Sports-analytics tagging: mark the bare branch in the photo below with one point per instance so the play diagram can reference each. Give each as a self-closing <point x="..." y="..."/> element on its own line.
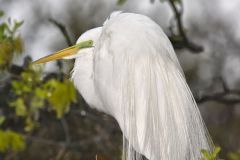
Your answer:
<point x="182" y="40"/>
<point x="63" y="29"/>
<point x="66" y="130"/>
<point x="227" y="96"/>
<point x="60" y="154"/>
<point x="222" y="97"/>
<point x="46" y="142"/>
<point x="63" y="144"/>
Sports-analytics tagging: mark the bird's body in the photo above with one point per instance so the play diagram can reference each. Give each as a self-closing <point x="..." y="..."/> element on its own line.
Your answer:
<point x="133" y="74"/>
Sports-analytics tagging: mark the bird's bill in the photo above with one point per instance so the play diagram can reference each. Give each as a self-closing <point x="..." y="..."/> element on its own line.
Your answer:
<point x="65" y="52"/>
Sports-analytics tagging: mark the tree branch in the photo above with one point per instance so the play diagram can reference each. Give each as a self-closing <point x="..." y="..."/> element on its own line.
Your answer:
<point x="63" y="29"/>
<point x="181" y="41"/>
<point x="46" y="142"/>
<point x="227" y="96"/>
<point x="63" y="144"/>
<point x="66" y="130"/>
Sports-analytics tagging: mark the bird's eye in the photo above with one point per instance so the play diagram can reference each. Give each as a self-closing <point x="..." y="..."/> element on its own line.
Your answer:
<point x="90" y="42"/>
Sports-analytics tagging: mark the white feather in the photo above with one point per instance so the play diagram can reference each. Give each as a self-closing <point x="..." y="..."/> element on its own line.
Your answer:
<point x="134" y="75"/>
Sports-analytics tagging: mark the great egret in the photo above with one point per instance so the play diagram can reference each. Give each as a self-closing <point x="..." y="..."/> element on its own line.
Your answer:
<point x="127" y="68"/>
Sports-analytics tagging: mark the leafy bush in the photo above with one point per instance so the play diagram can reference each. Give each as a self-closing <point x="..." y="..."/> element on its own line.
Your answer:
<point x="10" y="42"/>
<point x="10" y="140"/>
<point x="30" y="92"/>
<point x="210" y="156"/>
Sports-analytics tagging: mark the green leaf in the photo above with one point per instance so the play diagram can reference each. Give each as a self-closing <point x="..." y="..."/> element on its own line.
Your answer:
<point x="10" y="140"/>
<point x="210" y="156"/>
<point x="10" y="43"/>
<point x="16" y="141"/>
<point x="206" y="154"/>
<point x="61" y="96"/>
<point x="39" y="92"/>
<point x="17" y="24"/>
<point x="216" y="152"/>
<point x="1" y="13"/>
<point x="36" y="103"/>
<point x="121" y="2"/>
<point x="233" y="155"/>
<point x="2" y="120"/>
<point x="3" y="141"/>
<point x="19" y="106"/>
<point x="29" y="125"/>
<point x="18" y="45"/>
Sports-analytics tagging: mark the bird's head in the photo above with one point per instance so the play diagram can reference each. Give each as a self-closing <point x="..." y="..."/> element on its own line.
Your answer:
<point x="85" y="43"/>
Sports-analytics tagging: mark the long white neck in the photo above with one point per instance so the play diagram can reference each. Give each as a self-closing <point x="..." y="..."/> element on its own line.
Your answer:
<point x="82" y="77"/>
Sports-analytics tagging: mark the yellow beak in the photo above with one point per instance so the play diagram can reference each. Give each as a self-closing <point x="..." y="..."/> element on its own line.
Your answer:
<point x="65" y="52"/>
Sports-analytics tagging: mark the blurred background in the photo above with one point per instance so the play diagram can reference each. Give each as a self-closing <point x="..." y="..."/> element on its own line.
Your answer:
<point x="42" y="117"/>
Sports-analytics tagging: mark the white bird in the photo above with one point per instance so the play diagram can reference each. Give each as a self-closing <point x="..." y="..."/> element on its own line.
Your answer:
<point x="128" y="69"/>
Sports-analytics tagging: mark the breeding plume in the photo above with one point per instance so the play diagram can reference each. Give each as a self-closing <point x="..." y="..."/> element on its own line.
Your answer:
<point x="128" y="69"/>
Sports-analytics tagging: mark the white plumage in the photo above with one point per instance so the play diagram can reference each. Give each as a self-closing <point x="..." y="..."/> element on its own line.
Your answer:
<point x="133" y="74"/>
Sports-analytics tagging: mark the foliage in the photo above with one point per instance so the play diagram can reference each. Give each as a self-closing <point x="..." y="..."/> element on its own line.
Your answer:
<point x="60" y="95"/>
<point x="30" y="91"/>
<point x="10" y="42"/>
<point x="234" y="155"/>
<point x="210" y="156"/>
<point x="2" y="119"/>
<point x="121" y="2"/>
<point x="10" y="140"/>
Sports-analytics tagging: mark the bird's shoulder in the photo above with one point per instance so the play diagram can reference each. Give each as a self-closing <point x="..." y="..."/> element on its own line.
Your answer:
<point x="130" y="34"/>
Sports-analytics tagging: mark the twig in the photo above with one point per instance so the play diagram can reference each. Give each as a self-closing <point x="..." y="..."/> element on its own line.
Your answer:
<point x="63" y="29"/>
<point x="221" y="97"/>
<point x="47" y="142"/>
<point x="227" y="96"/>
<point x="182" y="41"/>
<point x="66" y="130"/>
<point x="10" y="156"/>
<point x="62" y="144"/>
<point x="61" y="153"/>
